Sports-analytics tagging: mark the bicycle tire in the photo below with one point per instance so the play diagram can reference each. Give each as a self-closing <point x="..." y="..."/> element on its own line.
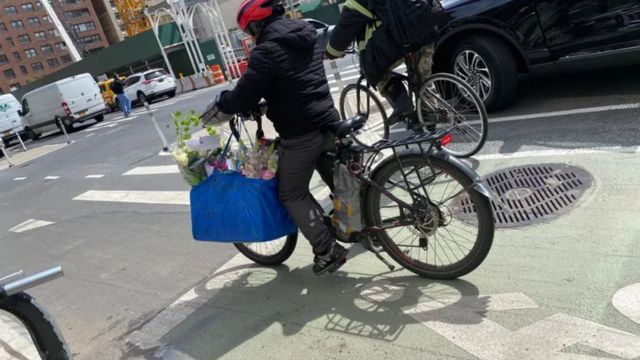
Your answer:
<point x="271" y="259"/>
<point x="458" y="131"/>
<point x="42" y="328"/>
<point x="485" y="225"/>
<point x="364" y="91"/>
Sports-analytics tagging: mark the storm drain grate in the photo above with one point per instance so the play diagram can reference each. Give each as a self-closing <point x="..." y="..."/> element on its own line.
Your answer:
<point x="534" y="193"/>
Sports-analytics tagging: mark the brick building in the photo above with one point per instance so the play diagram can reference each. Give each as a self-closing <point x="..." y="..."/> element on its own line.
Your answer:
<point x="30" y="45"/>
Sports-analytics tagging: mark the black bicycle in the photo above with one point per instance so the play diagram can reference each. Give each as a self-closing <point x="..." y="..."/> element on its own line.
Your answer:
<point x="44" y="333"/>
<point x="411" y="201"/>
<point x="442" y="101"/>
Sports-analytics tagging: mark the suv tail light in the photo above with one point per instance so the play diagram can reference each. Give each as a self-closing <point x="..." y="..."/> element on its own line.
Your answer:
<point x="147" y="82"/>
<point x="66" y="109"/>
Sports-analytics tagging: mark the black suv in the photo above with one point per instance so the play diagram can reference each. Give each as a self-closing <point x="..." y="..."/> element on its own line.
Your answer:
<point x="489" y="42"/>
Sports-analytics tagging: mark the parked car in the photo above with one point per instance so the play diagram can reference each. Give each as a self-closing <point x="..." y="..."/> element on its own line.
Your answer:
<point x="149" y="85"/>
<point x="489" y="43"/>
<point x="73" y="100"/>
<point x="10" y="122"/>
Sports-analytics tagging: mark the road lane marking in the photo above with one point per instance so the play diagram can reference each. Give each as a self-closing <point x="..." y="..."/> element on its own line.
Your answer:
<point x="566" y="112"/>
<point x="90" y="135"/>
<point x="463" y="322"/>
<point x="137" y="197"/>
<point x="153" y="170"/>
<point x="30" y="225"/>
<point x="561" y="152"/>
<point x="627" y="302"/>
<point x="164" y="153"/>
<point x="51" y="177"/>
<point x="94" y="176"/>
<point x="19" y="178"/>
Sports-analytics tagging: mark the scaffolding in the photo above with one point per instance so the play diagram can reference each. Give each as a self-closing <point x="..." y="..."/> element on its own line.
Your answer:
<point x="132" y="16"/>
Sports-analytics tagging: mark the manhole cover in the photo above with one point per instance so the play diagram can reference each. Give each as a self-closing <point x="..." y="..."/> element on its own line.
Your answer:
<point x="534" y="193"/>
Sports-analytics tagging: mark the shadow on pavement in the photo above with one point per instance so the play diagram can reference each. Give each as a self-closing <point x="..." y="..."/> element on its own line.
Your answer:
<point x="251" y="299"/>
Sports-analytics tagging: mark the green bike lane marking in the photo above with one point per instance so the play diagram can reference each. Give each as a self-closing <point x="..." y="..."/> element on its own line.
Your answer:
<point x="545" y="291"/>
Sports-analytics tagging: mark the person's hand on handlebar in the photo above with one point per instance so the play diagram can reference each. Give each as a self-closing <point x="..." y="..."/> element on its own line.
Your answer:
<point x="213" y="114"/>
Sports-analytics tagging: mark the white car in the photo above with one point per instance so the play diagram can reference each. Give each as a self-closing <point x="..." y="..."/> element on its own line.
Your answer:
<point x="149" y="85"/>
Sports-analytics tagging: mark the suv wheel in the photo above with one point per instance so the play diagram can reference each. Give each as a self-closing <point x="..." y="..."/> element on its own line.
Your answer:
<point x="488" y="65"/>
<point x="142" y="98"/>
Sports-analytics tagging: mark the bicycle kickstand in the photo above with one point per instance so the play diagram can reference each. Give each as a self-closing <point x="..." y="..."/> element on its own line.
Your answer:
<point x="379" y="256"/>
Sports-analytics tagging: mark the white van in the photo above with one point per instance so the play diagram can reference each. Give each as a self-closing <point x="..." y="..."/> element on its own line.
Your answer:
<point x="74" y="99"/>
<point x="10" y="122"/>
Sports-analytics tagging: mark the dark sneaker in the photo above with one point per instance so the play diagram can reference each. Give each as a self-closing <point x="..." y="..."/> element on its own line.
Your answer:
<point x="334" y="258"/>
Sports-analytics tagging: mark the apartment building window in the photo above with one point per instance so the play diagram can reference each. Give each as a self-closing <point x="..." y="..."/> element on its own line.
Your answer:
<point x="4" y="59"/>
<point x="53" y="63"/>
<point x="9" y="74"/>
<point x="66" y="59"/>
<point x="37" y="66"/>
<point x="76" y="13"/>
<point x="60" y="45"/>
<point x="40" y="35"/>
<point x="90" y="39"/>
<point x="24" y="39"/>
<point x="17" y="24"/>
<point x="39" y="5"/>
<point x="10" y="41"/>
<point x="23" y="69"/>
<point x="31" y="53"/>
<point x="46" y="49"/>
<point x="89" y="25"/>
<point x="34" y="21"/>
<point x="54" y="33"/>
<point x="3" y="27"/>
<point x="28" y="7"/>
<point x="72" y="2"/>
<point x="10" y="10"/>
<point x="16" y="56"/>
<point x="46" y="19"/>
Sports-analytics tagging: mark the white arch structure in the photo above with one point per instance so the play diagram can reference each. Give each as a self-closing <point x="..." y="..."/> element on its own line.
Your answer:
<point x="183" y="14"/>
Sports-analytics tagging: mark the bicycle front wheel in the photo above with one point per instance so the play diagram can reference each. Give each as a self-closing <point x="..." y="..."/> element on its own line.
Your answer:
<point x="356" y="99"/>
<point x="433" y="239"/>
<point x="269" y="253"/>
<point x="43" y="330"/>
<point x="448" y="102"/>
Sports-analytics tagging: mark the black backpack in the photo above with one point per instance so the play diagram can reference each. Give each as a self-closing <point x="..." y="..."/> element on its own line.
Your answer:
<point x="410" y="23"/>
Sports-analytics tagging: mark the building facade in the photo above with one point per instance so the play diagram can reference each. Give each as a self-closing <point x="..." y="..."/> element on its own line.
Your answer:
<point x="31" y="46"/>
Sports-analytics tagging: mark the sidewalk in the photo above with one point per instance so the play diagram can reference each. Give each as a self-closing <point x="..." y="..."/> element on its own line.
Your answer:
<point x="18" y="156"/>
<point x="15" y="342"/>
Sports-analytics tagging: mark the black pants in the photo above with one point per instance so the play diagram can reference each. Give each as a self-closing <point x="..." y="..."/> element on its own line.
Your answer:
<point x="299" y="157"/>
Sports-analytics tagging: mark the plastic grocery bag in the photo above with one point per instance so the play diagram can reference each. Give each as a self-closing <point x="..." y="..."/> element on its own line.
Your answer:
<point x="346" y="217"/>
<point x="228" y="207"/>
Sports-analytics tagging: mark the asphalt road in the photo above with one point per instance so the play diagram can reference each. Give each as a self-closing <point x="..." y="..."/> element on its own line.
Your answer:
<point x="137" y="286"/>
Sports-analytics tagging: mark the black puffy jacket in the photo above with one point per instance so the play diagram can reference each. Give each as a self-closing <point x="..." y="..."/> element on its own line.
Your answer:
<point x="286" y="69"/>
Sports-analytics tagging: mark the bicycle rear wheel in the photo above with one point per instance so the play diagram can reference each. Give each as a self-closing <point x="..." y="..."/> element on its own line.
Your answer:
<point x="269" y="253"/>
<point x="435" y="243"/>
<point x="448" y="102"/>
<point x="357" y="99"/>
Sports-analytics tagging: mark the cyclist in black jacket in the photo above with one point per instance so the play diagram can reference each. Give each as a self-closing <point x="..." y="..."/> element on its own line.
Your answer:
<point x="379" y="53"/>
<point x="286" y="68"/>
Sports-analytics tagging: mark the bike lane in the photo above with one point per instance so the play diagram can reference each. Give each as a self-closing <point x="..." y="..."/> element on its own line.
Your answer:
<point x="544" y="292"/>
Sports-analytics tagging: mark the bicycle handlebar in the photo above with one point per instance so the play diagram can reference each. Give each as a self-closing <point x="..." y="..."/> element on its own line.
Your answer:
<point x="30" y="281"/>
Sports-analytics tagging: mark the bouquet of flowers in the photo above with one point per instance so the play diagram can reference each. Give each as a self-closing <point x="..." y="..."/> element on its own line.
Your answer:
<point x="261" y="162"/>
<point x="190" y="153"/>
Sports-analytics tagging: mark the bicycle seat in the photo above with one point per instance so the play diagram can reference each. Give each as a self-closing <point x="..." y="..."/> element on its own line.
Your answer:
<point x="343" y="128"/>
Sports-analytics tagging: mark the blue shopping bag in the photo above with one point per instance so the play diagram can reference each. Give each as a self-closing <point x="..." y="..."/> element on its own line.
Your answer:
<point x="228" y="207"/>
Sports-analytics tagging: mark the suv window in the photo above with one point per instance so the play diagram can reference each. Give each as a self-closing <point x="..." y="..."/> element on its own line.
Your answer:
<point x="132" y="80"/>
<point x="155" y="74"/>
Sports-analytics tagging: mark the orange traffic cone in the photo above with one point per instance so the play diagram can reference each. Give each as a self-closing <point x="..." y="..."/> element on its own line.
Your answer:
<point x="218" y="77"/>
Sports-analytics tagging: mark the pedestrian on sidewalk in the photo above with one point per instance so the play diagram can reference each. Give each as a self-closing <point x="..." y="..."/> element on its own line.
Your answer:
<point x="117" y="86"/>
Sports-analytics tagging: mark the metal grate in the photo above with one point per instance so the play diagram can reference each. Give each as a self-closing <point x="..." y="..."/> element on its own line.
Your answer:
<point x="534" y="193"/>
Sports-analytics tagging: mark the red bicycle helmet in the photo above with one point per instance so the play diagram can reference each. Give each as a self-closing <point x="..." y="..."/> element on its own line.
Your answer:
<point x="254" y="10"/>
